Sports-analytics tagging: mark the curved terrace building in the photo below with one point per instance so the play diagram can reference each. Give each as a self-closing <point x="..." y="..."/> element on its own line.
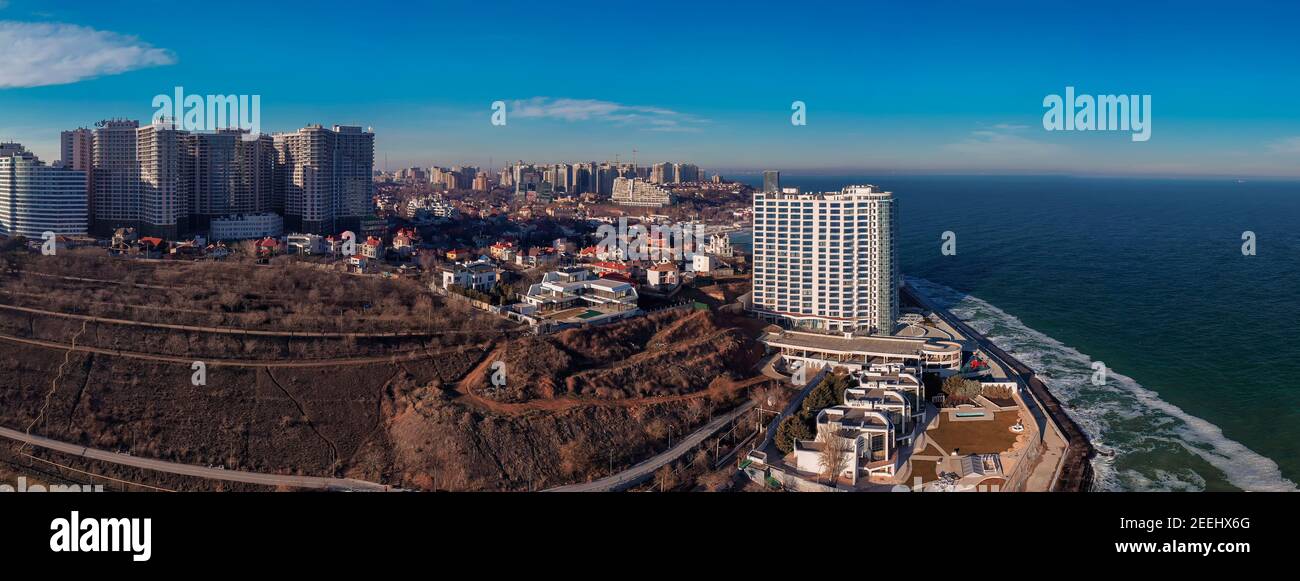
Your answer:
<point x="36" y="198"/>
<point x="827" y="262"/>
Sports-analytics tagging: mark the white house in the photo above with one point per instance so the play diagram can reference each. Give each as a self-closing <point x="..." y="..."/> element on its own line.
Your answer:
<point x="479" y="275"/>
<point x="306" y="243"/>
<point x="571" y="287"/>
<point x="663" y="276"/>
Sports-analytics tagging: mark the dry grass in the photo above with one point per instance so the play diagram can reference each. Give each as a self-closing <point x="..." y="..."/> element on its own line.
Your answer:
<point x="975" y="437"/>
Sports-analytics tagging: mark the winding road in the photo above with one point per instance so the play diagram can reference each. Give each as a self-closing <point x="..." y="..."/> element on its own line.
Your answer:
<point x="646" y="469"/>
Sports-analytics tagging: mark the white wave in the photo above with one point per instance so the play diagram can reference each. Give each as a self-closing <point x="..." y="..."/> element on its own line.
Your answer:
<point x="1067" y="372"/>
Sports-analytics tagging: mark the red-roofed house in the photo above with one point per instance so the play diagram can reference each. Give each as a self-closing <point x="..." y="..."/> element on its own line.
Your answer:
<point x="373" y="248"/>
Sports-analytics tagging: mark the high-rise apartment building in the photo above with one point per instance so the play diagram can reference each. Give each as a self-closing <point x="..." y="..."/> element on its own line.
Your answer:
<point x="324" y="177"/>
<point x="771" y="181"/>
<point x="827" y="262"/>
<point x="685" y="173"/>
<point x="229" y="174"/>
<point x="115" y="177"/>
<point x="661" y="173"/>
<point x="165" y="180"/>
<point x="36" y="198"/>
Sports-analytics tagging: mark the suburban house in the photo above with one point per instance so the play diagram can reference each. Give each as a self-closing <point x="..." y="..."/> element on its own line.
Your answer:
<point x="479" y="275"/>
<point x="458" y="254"/>
<point x="358" y="262"/>
<point x="504" y="251"/>
<point x="709" y="265"/>
<point x="404" y="242"/>
<point x="306" y="244"/>
<point x="373" y="248"/>
<point x="578" y="287"/>
<point x="537" y="256"/>
<point x="663" y="276"/>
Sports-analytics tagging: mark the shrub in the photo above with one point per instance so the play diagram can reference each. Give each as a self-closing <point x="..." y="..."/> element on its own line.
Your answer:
<point x="960" y="389"/>
<point x="792" y="428"/>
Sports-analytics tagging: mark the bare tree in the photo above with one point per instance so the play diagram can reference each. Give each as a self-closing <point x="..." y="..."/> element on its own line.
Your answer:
<point x="834" y="454"/>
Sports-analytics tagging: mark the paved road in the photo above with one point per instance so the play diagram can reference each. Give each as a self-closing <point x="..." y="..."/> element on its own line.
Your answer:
<point x="646" y="469"/>
<point x="314" y="482"/>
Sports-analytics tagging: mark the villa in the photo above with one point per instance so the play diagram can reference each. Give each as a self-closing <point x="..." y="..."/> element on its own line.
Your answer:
<point x="574" y="296"/>
<point x="479" y="275"/>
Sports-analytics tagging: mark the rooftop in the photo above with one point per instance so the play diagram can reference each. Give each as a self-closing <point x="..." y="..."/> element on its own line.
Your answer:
<point x="873" y="345"/>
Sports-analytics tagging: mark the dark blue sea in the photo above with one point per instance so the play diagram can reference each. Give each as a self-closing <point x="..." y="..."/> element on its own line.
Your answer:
<point x="1145" y="275"/>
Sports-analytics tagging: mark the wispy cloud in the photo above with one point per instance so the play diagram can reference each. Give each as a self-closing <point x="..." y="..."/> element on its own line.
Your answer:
<point x="1287" y="146"/>
<point x="38" y="54"/>
<point x="1003" y="142"/>
<point x="576" y="110"/>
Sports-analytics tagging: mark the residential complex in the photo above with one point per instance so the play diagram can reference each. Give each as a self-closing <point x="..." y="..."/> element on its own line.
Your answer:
<point x="36" y="198"/>
<point x="638" y="192"/>
<point x="168" y="182"/>
<point x="325" y="177"/>
<point x="827" y="261"/>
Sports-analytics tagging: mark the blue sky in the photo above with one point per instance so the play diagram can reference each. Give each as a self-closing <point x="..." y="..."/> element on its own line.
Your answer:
<point x="890" y="87"/>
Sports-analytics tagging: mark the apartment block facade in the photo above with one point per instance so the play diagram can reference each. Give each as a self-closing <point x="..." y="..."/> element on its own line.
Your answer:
<point x="36" y="198"/>
<point x="324" y="177"/>
<point x="827" y="262"/>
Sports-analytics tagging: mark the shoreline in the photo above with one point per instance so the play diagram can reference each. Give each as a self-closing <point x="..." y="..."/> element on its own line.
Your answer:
<point x="1075" y="471"/>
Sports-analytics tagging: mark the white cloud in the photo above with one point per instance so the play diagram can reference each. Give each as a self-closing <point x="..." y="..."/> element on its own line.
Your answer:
<point x="648" y="118"/>
<point x="38" y="54"/>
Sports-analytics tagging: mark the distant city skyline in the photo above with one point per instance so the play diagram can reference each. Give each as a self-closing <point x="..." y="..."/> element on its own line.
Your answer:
<point x="889" y="88"/>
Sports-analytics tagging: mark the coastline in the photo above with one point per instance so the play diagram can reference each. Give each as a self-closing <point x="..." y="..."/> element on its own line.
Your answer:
<point x="1074" y="474"/>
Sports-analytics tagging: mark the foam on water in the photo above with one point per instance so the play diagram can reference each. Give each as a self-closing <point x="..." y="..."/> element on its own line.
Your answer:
<point x="1121" y="414"/>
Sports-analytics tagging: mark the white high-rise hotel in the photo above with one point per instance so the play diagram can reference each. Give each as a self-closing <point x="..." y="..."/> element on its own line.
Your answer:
<point x="827" y="262"/>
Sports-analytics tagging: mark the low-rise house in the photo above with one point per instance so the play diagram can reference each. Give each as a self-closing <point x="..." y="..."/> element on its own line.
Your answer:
<point x="124" y="238"/>
<point x="663" y="276"/>
<point x="267" y="247"/>
<point x="709" y="265"/>
<point x="334" y="245"/>
<point x="458" y="254"/>
<point x="479" y="275"/>
<point x="504" y="251"/>
<point x="149" y="247"/>
<point x="537" y="256"/>
<point x="305" y="244"/>
<point x="217" y="251"/>
<point x="373" y="248"/>
<point x="573" y="287"/>
<point x="404" y="242"/>
<point x="359" y="262"/>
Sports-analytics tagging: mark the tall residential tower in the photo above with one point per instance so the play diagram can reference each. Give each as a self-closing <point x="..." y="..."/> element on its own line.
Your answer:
<point x="827" y="262"/>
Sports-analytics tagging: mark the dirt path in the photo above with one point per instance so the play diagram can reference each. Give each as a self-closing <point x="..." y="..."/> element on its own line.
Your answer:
<point x="250" y="332"/>
<point x="409" y="356"/>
